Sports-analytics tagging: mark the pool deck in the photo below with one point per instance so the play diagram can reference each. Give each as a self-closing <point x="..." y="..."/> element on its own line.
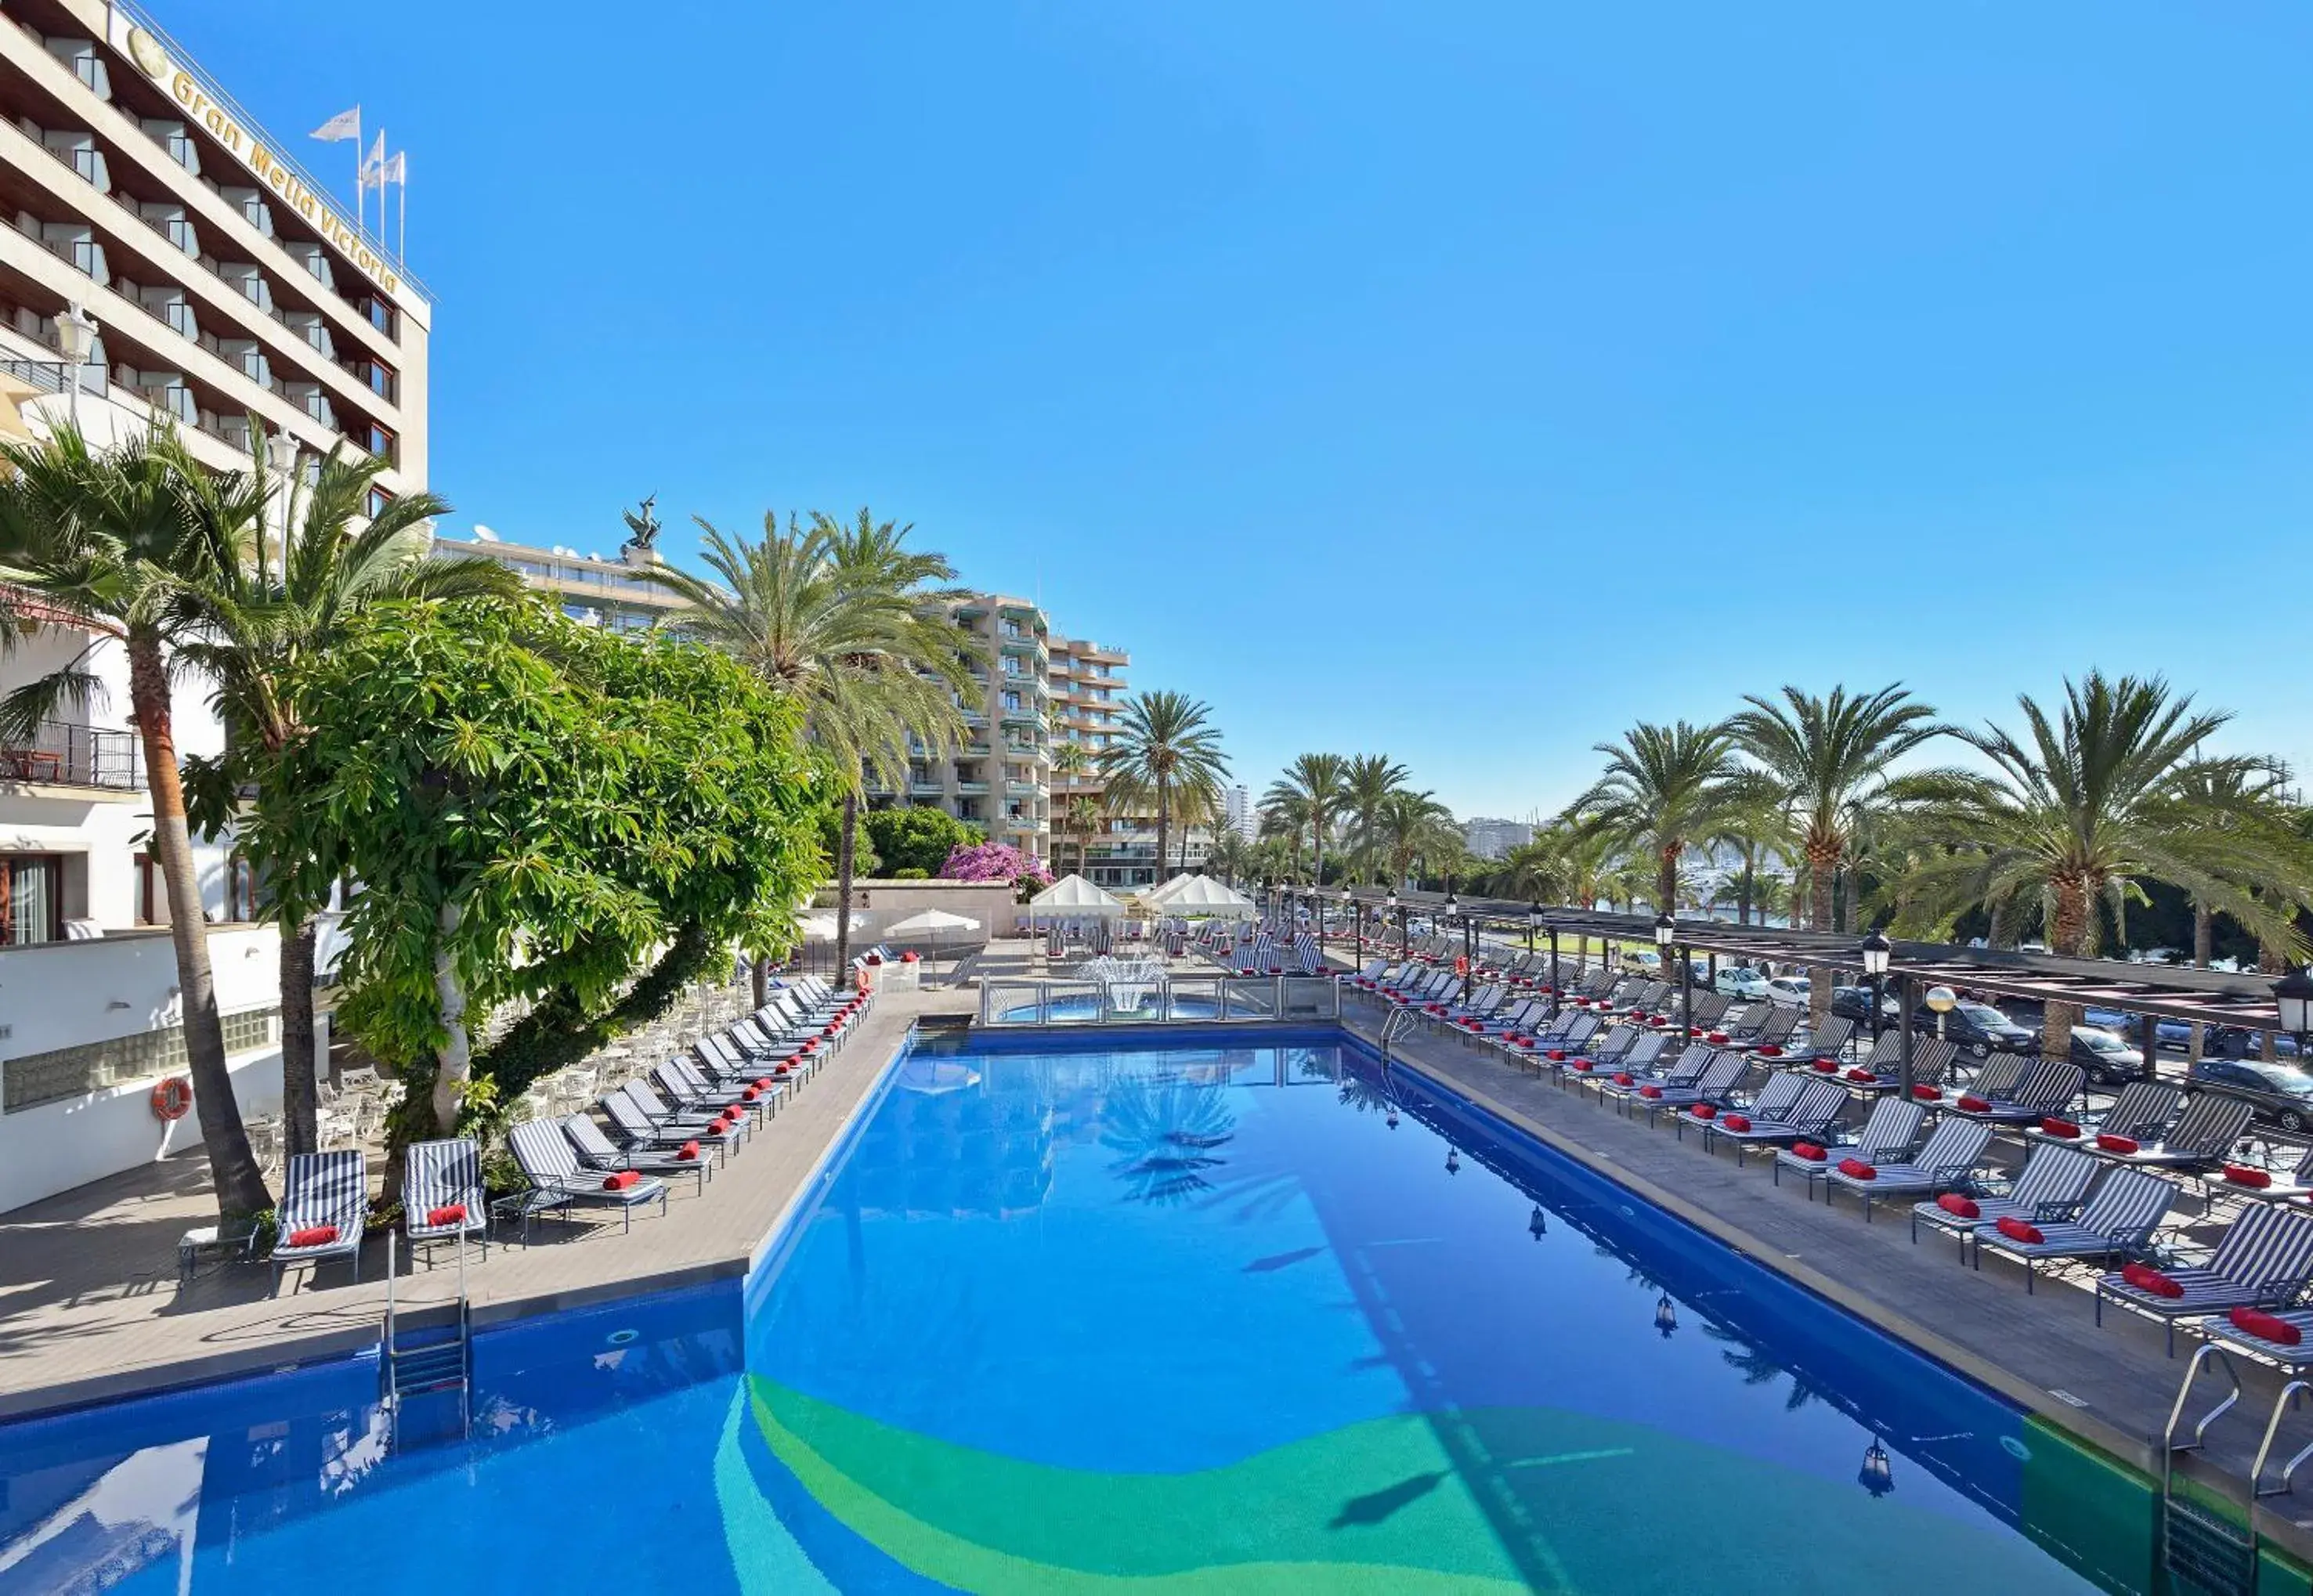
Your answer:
<point x="2110" y="1386"/>
<point x="91" y="1310"/>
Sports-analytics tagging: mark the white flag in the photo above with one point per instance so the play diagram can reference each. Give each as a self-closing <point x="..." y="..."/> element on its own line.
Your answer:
<point x="373" y="171"/>
<point x="345" y="125"/>
<point x="397" y="169"/>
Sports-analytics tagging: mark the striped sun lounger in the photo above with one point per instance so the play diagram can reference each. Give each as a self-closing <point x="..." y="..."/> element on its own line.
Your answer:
<point x="442" y="1195"/>
<point x="2240" y="1180"/>
<point x="2202" y="1138"/>
<point x="1810" y="1114"/>
<point x="1647" y="1070"/>
<point x="2118" y="1223"/>
<point x="1948" y="1159"/>
<point x="595" y="1152"/>
<point x="1887" y="1134"/>
<point x="1704" y="1095"/>
<point x="2262" y="1262"/>
<point x="2141" y="1113"/>
<point x="324" y="1191"/>
<point x="2048" y="1087"/>
<point x="2053" y="1185"/>
<point x="548" y="1160"/>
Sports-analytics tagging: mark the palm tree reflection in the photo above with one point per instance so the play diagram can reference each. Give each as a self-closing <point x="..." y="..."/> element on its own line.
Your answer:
<point x="1167" y="1131"/>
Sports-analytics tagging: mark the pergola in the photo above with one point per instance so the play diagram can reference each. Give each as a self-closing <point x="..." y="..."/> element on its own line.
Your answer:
<point x="2251" y="1002"/>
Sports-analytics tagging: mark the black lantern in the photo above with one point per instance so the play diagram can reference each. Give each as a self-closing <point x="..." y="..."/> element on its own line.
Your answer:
<point x="1390" y="1118"/>
<point x="1876" y="950"/>
<point x="1666" y="1316"/>
<point x="1453" y="1158"/>
<point x="1535" y="1225"/>
<point x="1533" y="915"/>
<point x="1875" y="1476"/>
<point x="2292" y="994"/>
<point x="1666" y="930"/>
<point x="1452" y="903"/>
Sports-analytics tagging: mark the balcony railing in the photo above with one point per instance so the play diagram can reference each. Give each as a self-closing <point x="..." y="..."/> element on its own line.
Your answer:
<point x="63" y="755"/>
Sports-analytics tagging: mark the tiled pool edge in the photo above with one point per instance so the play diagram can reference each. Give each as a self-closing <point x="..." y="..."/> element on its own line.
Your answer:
<point x="2139" y="1454"/>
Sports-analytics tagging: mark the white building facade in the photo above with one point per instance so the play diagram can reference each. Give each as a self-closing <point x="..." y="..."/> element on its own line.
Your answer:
<point x="166" y="261"/>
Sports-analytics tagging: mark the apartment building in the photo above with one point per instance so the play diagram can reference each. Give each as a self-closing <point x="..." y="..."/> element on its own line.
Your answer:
<point x="163" y="260"/>
<point x="605" y="592"/>
<point x="1491" y="838"/>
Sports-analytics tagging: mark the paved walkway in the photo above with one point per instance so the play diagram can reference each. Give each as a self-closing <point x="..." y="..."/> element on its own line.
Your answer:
<point x="91" y="1310"/>
<point x="2112" y="1385"/>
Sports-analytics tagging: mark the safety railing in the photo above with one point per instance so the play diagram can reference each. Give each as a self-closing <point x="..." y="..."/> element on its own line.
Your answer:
<point x="1189" y="1000"/>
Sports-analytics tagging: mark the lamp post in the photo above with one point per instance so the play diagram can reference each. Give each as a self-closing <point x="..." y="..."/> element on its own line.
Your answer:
<point x="1405" y="934"/>
<point x="1536" y="1225"/>
<point x="281" y="461"/>
<point x="76" y="332"/>
<point x="1875" y="1476"/>
<point x="1453" y="1158"/>
<point x="2292" y="994"/>
<point x="1666" y="1316"/>
<point x="1357" y="925"/>
<point x="1942" y="1000"/>
<point x="1876" y="951"/>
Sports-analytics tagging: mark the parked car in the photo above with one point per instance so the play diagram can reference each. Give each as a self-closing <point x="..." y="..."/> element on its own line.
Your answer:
<point x="2230" y="1041"/>
<point x="2281" y="1092"/>
<point x="1977" y="1028"/>
<point x="2109" y="1058"/>
<point x="1643" y="960"/>
<point x="2234" y="1041"/>
<point x="1743" y="981"/>
<point x="1854" y="1002"/>
<point x="1790" y="991"/>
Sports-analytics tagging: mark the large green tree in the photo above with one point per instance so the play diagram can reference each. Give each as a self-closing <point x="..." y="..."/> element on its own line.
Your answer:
<point x="2108" y="789"/>
<point x="1366" y="782"/>
<point x="847" y="621"/>
<point x="113" y="540"/>
<point x="536" y="809"/>
<point x="1167" y="743"/>
<point x="282" y="599"/>
<point x="1320" y="782"/>
<point x="918" y="837"/>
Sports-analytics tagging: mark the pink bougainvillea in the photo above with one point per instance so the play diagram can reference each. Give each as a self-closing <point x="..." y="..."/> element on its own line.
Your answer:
<point x="994" y="862"/>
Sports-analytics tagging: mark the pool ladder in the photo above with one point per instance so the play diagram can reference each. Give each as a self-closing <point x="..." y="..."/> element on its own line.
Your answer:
<point x="417" y="1368"/>
<point x="2199" y="1543"/>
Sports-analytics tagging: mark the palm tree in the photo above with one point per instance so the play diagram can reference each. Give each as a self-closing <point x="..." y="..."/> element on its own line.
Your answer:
<point x="1536" y="870"/>
<point x="1665" y="787"/>
<point x="1233" y="857"/>
<point x="1195" y="804"/>
<point x="1168" y="742"/>
<point x="265" y="617"/>
<point x="1321" y="781"/>
<point x="113" y="538"/>
<point x="2235" y="794"/>
<point x="1414" y="826"/>
<point x="2107" y="790"/>
<point x="1285" y="815"/>
<point x="1366" y="782"/>
<point x="849" y="622"/>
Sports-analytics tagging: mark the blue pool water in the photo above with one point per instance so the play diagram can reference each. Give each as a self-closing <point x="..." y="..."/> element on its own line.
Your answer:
<point x="1200" y="1320"/>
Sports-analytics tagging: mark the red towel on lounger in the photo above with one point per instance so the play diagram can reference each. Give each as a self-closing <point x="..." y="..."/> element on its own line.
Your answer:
<point x="1926" y="1094"/>
<point x="2118" y="1144"/>
<point x="2241" y="1174"/>
<point x="1855" y="1169"/>
<point x="1808" y="1151"/>
<point x="689" y="1149"/>
<point x="1705" y="1111"/>
<point x="1827" y="1066"/>
<point x="1736" y="1122"/>
<point x="1860" y="1073"/>
<point x="620" y="1181"/>
<point x="2259" y="1323"/>
<point x="2016" y="1230"/>
<point x="1650" y="1092"/>
<point x="2151" y="1281"/>
<point x="2059" y="1128"/>
<point x="313" y="1235"/>
<point x="448" y="1213"/>
<point x="1974" y="1105"/>
<point x="1958" y="1206"/>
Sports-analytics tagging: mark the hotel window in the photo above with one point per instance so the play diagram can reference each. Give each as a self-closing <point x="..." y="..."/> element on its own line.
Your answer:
<point x="31" y="899"/>
<point x="382" y="379"/>
<point x="379" y="498"/>
<point x="380" y="314"/>
<point x="378" y="440"/>
<point x="1011" y="700"/>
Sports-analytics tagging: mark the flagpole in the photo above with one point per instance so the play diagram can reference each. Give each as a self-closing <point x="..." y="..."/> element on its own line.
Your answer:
<point x="401" y="244"/>
<point x="361" y="194"/>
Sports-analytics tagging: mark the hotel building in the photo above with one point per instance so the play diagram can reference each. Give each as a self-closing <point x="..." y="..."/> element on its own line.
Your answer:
<point x="164" y="258"/>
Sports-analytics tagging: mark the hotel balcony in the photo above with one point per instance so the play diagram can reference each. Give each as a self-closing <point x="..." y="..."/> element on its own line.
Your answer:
<point x="87" y="757"/>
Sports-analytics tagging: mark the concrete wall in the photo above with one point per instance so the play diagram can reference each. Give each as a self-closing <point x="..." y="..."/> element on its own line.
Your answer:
<point x="61" y="994"/>
<point x="876" y="904"/>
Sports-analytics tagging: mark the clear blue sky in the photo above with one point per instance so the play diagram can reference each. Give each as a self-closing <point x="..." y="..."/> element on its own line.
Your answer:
<point x="1463" y="383"/>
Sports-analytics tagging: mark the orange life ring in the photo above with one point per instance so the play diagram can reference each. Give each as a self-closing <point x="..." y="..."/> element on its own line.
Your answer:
<point x="173" y="1098"/>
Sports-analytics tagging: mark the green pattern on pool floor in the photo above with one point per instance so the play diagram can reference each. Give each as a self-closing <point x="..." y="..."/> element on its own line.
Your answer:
<point x="1474" y="1503"/>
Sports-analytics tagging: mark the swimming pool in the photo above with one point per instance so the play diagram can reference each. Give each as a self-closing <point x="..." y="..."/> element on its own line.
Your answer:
<point x="1095" y="1314"/>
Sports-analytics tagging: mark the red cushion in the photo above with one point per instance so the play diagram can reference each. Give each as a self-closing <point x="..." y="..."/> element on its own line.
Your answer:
<point x="1827" y="1066"/>
<point x="2016" y="1230"/>
<point x="620" y="1181"/>
<point x="2059" y="1128"/>
<point x="1557" y="1056"/>
<point x="1809" y="1151"/>
<point x="1650" y="1092"/>
<point x="313" y="1235"/>
<point x="1926" y="1094"/>
<point x="763" y="1082"/>
<point x="1855" y="1169"/>
<point x="1705" y="1111"/>
<point x="2258" y="1322"/>
<point x="1974" y="1105"/>
<point x="688" y="1150"/>
<point x="447" y="1214"/>
<point x="783" y="1069"/>
<point x="1958" y="1206"/>
<point x="2241" y="1174"/>
<point x="751" y="1094"/>
<point x="2151" y="1281"/>
<point x="1771" y="1051"/>
<point x="1716" y="1036"/>
<point x="1736" y="1122"/>
<point x="1622" y="1079"/>
<point x="1860" y="1073"/>
<point x="2118" y="1144"/>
